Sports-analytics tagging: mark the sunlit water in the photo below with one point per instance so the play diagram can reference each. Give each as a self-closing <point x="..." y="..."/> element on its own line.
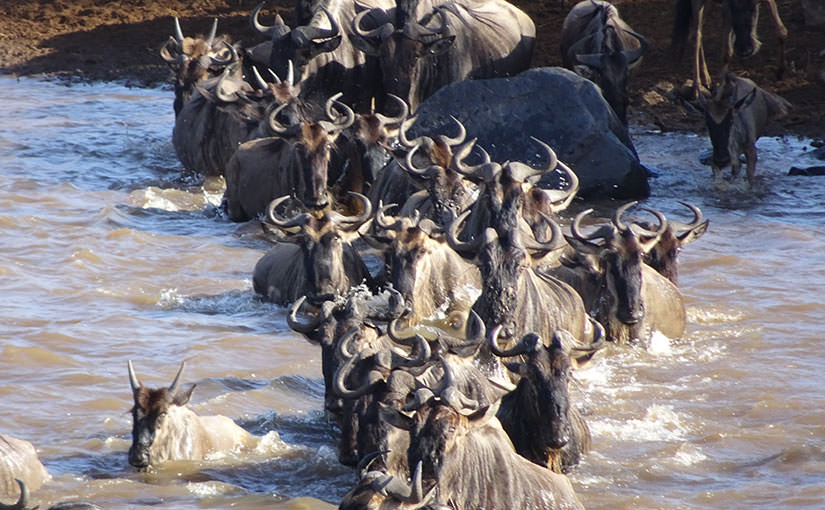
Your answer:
<point x="108" y="254"/>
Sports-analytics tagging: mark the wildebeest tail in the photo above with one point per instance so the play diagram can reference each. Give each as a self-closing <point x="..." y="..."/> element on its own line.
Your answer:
<point x="682" y="14"/>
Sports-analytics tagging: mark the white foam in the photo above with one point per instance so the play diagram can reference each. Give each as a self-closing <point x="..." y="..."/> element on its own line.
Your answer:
<point x="660" y="423"/>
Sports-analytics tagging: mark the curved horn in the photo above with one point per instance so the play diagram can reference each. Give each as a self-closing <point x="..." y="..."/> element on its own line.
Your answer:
<point x="402" y="134"/>
<point x="469" y="249"/>
<point x="430" y="171"/>
<point x="173" y="388"/>
<point x="617" y="216"/>
<point x="390" y="121"/>
<point x="552" y="159"/>
<point x="343" y="372"/>
<point x="381" y="219"/>
<point x="697" y="218"/>
<point x="423" y="356"/>
<point x="302" y="327"/>
<point x="398" y="489"/>
<point x="22" y="501"/>
<point x="353" y="222"/>
<point x="233" y="56"/>
<point x="631" y="56"/>
<point x="452" y="395"/>
<point x="219" y="90"/>
<point x="394" y="332"/>
<point x="484" y="172"/>
<point x="562" y="199"/>
<point x="133" y="378"/>
<point x="598" y="341"/>
<point x="339" y="122"/>
<point x="178" y="31"/>
<point x="663" y="223"/>
<point x="459" y="138"/>
<point x="555" y="242"/>
<point x="298" y="220"/>
<point x="278" y="128"/>
<point x="304" y="35"/>
<point x="262" y="84"/>
<point x="382" y="31"/>
<point x="212" y="31"/>
<point x="522" y="347"/>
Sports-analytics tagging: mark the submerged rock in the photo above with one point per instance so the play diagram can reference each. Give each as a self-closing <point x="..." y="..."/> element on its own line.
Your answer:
<point x="554" y="105"/>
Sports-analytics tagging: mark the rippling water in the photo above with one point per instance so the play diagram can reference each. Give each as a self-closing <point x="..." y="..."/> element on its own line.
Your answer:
<point x="108" y="254"/>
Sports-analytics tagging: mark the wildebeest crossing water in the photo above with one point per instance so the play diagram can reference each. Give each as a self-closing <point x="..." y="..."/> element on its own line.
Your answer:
<point x="108" y="254"/>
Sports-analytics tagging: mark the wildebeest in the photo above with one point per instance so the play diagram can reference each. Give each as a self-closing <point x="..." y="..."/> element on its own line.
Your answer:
<point x="537" y="414"/>
<point x="619" y="290"/>
<point x="435" y="43"/>
<point x="193" y="60"/>
<point x="216" y="119"/>
<point x="164" y="428"/>
<point x="739" y="19"/>
<point x="461" y="458"/>
<point x="20" y="469"/>
<point x="430" y="276"/>
<point x="320" y="46"/>
<point x="420" y="177"/>
<point x="736" y="115"/>
<point x="318" y="261"/>
<point x="293" y="161"/>
<point x="593" y="35"/>
<point x="514" y="294"/>
<point x="663" y="257"/>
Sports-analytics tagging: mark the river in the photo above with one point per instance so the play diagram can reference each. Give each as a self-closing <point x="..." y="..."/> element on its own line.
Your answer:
<point x="109" y="254"/>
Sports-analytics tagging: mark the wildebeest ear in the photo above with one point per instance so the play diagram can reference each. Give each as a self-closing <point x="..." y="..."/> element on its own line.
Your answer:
<point x="371" y="48"/>
<point x="694" y="233"/>
<point x="394" y="417"/>
<point x="745" y="101"/>
<point x="182" y="396"/>
<point x="439" y="46"/>
<point x="484" y="414"/>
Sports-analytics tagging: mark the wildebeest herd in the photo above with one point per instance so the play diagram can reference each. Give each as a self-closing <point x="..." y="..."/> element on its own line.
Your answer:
<point x="447" y="366"/>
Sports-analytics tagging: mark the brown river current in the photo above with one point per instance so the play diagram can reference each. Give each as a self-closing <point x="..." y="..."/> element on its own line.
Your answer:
<point x="108" y="254"/>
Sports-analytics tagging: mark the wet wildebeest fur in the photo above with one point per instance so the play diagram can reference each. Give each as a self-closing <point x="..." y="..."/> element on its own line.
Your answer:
<point x="736" y="115"/>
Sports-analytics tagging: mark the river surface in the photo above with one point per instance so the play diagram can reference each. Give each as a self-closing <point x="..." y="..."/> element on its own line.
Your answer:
<point x="108" y="254"/>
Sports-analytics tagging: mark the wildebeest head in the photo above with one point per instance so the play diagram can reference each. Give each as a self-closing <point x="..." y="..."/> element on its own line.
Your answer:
<point x="308" y="144"/>
<point x="542" y="392"/>
<point x="404" y="46"/>
<point x="406" y="244"/>
<point x="195" y="59"/>
<point x="322" y="245"/>
<point x="720" y="109"/>
<point x="617" y="261"/>
<point x="611" y="67"/>
<point x="743" y="16"/>
<point x="664" y="257"/>
<point x="298" y="45"/>
<point x="149" y="414"/>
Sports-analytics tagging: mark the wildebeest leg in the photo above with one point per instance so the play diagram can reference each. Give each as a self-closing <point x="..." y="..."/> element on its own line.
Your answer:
<point x="701" y="77"/>
<point x="750" y="161"/>
<point x="783" y="34"/>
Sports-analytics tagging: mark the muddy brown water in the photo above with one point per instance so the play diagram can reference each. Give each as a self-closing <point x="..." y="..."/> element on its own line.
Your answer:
<point x="107" y="255"/>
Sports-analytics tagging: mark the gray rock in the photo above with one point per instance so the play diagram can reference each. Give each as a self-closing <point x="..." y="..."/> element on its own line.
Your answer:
<point x="554" y="105"/>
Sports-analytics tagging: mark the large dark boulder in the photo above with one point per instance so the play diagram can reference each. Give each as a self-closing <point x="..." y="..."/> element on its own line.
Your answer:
<point x="554" y="105"/>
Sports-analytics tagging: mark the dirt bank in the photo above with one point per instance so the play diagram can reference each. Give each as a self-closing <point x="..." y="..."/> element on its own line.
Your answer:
<point x="119" y="40"/>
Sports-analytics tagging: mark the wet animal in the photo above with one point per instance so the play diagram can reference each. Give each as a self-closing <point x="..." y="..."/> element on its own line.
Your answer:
<point x="164" y="428"/>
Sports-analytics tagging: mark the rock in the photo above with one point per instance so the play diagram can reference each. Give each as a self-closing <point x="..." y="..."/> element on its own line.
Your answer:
<point x="554" y="105"/>
<point x="814" y="12"/>
<point x="807" y="171"/>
